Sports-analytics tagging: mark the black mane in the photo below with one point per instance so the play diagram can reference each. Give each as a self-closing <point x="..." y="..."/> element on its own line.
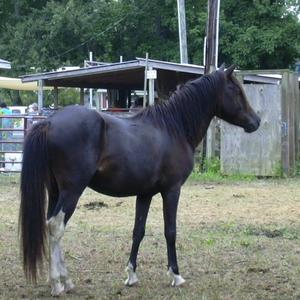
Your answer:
<point x="187" y="107"/>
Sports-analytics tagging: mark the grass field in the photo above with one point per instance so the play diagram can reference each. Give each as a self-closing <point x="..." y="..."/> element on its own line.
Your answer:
<point x="236" y="240"/>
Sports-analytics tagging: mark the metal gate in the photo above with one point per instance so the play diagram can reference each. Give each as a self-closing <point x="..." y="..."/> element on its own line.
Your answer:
<point x="13" y="129"/>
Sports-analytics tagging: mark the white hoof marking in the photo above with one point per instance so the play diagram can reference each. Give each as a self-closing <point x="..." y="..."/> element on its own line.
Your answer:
<point x="132" y="278"/>
<point x="57" y="289"/>
<point x="69" y="286"/>
<point x="177" y="279"/>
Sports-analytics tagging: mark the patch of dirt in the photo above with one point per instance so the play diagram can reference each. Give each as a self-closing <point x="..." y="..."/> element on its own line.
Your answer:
<point x="95" y="205"/>
<point x="258" y="270"/>
<point x="237" y="240"/>
<point x="267" y="232"/>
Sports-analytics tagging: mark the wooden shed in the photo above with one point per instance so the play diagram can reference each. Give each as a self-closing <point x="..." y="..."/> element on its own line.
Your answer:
<point x="274" y="148"/>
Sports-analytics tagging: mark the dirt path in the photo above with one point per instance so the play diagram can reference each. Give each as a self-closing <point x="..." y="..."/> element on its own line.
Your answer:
<point x="235" y="241"/>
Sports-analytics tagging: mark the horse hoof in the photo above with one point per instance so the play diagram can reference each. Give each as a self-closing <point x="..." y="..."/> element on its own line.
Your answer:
<point x="57" y="289"/>
<point x="132" y="278"/>
<point x="177" y="279"/>
<point x="69" y="286"/>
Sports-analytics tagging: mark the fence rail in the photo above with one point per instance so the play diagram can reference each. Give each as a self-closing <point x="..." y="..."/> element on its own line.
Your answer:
<point x="13" y="129"/>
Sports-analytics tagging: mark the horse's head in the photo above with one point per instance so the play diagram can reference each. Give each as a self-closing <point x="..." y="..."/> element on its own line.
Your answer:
<point x="233" y="106"/>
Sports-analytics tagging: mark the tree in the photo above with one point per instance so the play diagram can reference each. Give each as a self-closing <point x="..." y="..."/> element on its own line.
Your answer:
<point x="262" y="35"/>
<point x="42" y="35"/>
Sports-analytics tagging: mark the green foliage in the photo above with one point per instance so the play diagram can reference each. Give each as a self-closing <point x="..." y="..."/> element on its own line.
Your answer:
<point x="213" y="173"/>
<point x="262" y="35"/>
<point x="279" y="170"/>
<point x="42" y="35"/>
<point x="212" y="165"/>
<point x="298" y="167"/>
<point x="68" y="96"/>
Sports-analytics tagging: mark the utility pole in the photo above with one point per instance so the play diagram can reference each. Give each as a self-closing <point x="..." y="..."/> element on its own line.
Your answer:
<point x="212" y="36"/>
<point x="211" y="63"/>
<point x="182" y="31"/>
<point x="91" y="90"/>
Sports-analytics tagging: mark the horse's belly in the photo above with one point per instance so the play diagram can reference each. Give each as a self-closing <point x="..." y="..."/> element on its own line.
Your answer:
<point x="122" y="186"/>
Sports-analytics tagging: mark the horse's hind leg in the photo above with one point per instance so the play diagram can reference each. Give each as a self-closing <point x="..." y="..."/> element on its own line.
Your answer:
<point x="56" y="231"/>
<point x="141" y="213"/>
<point x="64" y="208"/>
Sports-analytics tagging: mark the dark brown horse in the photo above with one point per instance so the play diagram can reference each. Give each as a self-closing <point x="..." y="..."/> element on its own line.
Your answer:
<point x="149" y="153"/>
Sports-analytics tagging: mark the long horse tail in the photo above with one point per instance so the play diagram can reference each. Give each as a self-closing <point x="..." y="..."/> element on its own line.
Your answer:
<point x="32" y="219"/>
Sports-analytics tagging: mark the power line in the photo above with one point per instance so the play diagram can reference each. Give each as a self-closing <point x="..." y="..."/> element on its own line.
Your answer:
<point x="90" y="39"/>
<point x="98" y="34"/>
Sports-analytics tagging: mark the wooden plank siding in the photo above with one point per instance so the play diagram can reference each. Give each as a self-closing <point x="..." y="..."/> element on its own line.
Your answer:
<point x="275" y="147"/>
<point x="290" y="103"/>
<point x="258" y="153"/>
<point x="297" y="117"/>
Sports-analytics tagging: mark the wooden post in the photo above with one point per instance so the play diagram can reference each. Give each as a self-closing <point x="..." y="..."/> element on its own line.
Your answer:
<point x="40" y="95"/>
<point x="91" y="90"/>
<point x="101" y="100"/>
<point x="55" y="91"/>
<point x="211" y="59"/>
<point x="288" y="125"/>
<point x="151" y="89"/>
<point x="212" y="31"/>
<point x="292" y="118"/>
<point x="145" y="80"/>
<point x="81" y="96"/>
<point x="297" y="116"/>
<point x="182" y="31"/>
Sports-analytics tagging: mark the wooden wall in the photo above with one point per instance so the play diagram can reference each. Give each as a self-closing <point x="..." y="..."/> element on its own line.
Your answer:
<point x="258" y="153"/>
<point x="275" y="147"/>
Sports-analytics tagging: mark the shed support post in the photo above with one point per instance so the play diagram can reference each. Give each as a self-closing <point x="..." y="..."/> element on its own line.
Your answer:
<point x="40" y="95"/>
<point x="145" y="80"/>
<point x="211" y="139"/>
<point x="55" y="97"/>
<point x="151" y="90"/>
<point x="81" y="96"/>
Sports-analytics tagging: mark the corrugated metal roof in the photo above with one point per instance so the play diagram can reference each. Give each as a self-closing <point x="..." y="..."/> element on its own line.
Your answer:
<point x="130" y="74"/>
<point x="122" y="74"/>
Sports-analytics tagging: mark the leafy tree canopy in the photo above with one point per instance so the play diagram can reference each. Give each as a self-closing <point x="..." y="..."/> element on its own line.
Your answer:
<point x="41" y="35"/>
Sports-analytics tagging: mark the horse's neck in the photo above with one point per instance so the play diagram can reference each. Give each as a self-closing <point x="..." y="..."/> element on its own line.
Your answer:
<point x="203" y="124"/>
<point x="197" y="115"/>
<point x="202" y="129"/>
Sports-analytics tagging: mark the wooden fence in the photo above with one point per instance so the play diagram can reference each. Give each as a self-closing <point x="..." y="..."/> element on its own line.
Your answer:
<point x="274" y="148"/>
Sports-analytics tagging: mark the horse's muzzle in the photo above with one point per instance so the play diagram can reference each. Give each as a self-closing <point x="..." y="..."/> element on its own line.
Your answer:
<point x="252" y="126"/>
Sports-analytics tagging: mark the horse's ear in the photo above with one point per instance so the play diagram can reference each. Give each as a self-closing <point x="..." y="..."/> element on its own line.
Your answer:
<point x="222" y="67"/>
<point x="230" y="70"/>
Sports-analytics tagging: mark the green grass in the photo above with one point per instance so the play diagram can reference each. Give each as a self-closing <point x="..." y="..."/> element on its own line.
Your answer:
<point x="212" y="173"/>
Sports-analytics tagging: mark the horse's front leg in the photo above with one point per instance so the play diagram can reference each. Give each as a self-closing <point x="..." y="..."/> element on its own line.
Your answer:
<point x="141" y="213"/>
<point x="170" y="204"/>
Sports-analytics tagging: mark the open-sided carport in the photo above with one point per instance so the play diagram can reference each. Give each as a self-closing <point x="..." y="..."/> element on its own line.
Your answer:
<point x="129" y="75"/>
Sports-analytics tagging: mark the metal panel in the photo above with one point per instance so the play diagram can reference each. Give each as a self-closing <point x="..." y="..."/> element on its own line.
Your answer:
<point x="258" y="153"/>
<point x="114" y="67"/>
